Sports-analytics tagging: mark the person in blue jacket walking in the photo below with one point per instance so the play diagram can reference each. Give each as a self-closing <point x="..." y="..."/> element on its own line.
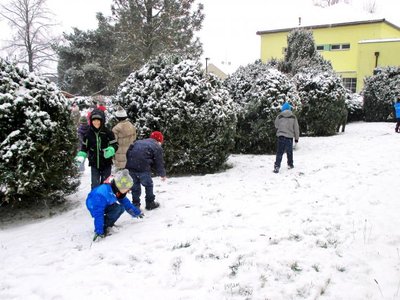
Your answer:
<point x="397" y="109"/>
<point x="108" y="201"/>
<point x="141" y="156"/>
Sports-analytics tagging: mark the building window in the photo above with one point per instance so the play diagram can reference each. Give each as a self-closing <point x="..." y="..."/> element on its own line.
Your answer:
<point x="284" y="50"/>
<point x="350" y="84"/>
<point x="323" y="47"/>
<point x="345" y="46"/>
<point x="340" y="47"/>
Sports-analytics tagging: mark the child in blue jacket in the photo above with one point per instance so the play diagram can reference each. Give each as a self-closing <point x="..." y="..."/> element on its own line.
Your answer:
<point x="108" y="201"/>
<point x="397" y="110"/>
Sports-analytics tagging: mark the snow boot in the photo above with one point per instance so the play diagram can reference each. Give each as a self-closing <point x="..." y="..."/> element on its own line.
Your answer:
<point x="152" y="205"/>
<point x="276" y="169"/>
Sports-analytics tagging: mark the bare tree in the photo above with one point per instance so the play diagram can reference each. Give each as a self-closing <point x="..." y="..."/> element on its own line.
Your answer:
<point x="326" y="3"/>
<point x="31" y="42"/>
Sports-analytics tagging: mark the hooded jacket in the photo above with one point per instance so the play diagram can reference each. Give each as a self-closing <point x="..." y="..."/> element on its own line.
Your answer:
<point x="287" y="125"/>
<point x="96" y="141"/>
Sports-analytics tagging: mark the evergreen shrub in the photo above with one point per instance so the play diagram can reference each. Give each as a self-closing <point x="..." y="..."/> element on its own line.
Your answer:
<point x="37" y="140"/>
<point x="380" y="92"/>
<point x="193" y="111"/>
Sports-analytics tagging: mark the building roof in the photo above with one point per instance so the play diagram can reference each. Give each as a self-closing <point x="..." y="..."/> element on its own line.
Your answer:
<point x="216" y="71"/>
<point x="378" y="41"/>
<point x="330" y="26"/>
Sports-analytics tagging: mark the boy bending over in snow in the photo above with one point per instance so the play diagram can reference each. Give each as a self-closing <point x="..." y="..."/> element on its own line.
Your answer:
<point x="108" y="201"/>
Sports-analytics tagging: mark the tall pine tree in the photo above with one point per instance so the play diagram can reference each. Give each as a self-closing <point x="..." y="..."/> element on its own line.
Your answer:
<point x="87" y="63"/>
<point x="147" y="28"/>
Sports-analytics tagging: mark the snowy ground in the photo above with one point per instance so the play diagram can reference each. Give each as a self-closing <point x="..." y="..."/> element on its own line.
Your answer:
<point x="328" y="229"/>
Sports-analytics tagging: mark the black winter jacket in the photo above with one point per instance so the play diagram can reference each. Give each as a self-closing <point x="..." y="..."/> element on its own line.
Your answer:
<point x="96" y="141"/>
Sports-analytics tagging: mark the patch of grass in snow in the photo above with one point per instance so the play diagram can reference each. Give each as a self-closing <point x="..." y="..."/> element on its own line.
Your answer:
<point x="323" y="288"/>
<point x="315" y="267"/>
<point x="263" y="279"/>
<point x="208" y="256"/>
<point x="236" y="289"/>
<point x="235" y="267"/>
<point x="295" y="237"/>
<point x="181" y="245"/>
<point x="295" y="267"/>
<point x="176" y="265"/>
<point x="341" y="268"/>
<point x="321" y="244"/>
<point x="274" y="241"/>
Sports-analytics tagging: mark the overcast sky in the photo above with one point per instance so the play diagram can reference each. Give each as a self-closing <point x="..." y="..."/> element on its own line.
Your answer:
<point x="229" y="29"/>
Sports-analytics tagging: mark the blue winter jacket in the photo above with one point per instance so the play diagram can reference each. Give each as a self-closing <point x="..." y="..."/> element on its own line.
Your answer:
<point x="145" y="154"/>
<point x="397" y="108"/>
<point x="101" y="197"/>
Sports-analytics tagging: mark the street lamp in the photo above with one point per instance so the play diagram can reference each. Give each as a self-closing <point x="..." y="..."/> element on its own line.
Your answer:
<point x="207" y="58"/>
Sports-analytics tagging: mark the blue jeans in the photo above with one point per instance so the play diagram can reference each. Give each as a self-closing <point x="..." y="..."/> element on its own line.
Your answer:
<point x="142" y="178"/>
<point x="284" y="144"/>
<point x="112" y="213"/>
<point x="98" y="176"/>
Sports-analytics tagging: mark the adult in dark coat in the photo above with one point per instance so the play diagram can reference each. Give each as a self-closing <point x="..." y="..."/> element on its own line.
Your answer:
<point x="99" y="145"/>
<point x="142" y="156"/>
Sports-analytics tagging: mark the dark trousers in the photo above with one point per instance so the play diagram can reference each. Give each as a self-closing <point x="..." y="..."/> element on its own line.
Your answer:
<point x="284" y="144"/>
<point x="142" y="178"/>
<point x="98" y="176"/>
<point x="397" y="124"/>
<point x="112" y="213"/>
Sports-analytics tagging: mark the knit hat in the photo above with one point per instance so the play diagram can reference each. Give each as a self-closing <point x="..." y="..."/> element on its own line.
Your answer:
<point x="83" y="120"/>
<point x="158" y="136"/>
<point x="286" y="106"/>
<point x="121" y="113"/>
<point x="95" y="116"/>
<point x="123" y="180"/>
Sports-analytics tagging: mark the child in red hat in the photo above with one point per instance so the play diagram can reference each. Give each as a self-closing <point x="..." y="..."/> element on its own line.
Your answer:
<point x="142" y="155"/>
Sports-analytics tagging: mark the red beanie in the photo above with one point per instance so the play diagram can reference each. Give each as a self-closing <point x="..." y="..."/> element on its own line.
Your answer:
<point x="158" y="136"/>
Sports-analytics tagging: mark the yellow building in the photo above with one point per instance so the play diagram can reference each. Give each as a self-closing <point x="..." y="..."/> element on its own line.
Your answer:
<point x="354" y="48"/>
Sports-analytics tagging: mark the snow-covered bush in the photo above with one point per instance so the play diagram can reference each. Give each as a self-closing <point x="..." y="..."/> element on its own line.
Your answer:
<point x="380" y="92"/>
<point x="37" y="139"/>
<point x="259" y="91"/>
<point x="323" y="101"/>
<point x="355" y="107"/>
<point x="240" y="82"/>
<point x="194" y="112"/>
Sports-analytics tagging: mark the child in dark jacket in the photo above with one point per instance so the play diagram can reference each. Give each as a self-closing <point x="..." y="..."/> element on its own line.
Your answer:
<point x="82" y="130"/>
<point x="141" y="156"/>
<point x="99" y="145"/>
<point x="107" y="202"/>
